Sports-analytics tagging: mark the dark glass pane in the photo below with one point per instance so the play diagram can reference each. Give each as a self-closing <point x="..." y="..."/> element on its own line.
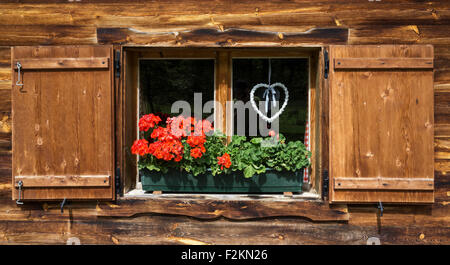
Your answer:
<point x="162" y="82"/>
<point x="293" y="73"/>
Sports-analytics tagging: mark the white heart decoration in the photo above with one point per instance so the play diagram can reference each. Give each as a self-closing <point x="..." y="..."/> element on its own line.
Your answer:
<point x="252" y="100"/>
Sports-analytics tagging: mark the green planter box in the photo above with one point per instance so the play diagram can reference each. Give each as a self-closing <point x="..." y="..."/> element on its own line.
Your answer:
<point x="176" y="181"/>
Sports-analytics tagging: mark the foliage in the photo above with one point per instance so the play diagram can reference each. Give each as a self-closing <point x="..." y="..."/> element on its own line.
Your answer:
<point x="184" y="144"/>
<point x="255" y="156"/>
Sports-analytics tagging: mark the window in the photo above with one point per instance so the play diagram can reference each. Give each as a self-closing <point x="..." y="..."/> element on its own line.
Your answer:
<point x="156" y="78"/>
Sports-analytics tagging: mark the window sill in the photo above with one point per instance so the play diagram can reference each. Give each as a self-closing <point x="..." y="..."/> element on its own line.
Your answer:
<point x="231" y="206"/>
<point x="139" y="193"/>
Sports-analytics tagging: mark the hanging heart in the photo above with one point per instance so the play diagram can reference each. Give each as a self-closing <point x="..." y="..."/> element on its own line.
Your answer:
<point x="269" y="87"/>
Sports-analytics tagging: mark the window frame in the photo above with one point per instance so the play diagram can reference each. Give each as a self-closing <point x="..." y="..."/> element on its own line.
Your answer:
<point x="223" y="92"/>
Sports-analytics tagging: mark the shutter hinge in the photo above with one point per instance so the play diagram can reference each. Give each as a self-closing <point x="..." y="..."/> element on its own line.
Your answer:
<point x="117" y="182"/>
<point x="326" y="64"/>
<point x="325" y="183"/>
<point x="117" y="63"/>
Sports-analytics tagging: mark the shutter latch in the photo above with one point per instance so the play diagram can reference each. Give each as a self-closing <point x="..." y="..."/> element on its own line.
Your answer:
<point x="64" y="202"/>
<point x="18" y="201"/>
<point x="380" y="206"/>
<point x="19" y="81"/>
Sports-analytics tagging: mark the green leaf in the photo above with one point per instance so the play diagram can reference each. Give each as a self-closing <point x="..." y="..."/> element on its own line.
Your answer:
<point x="249" y="171"/>
<point x="152" y="167"/>
<point x="256" y="140"/>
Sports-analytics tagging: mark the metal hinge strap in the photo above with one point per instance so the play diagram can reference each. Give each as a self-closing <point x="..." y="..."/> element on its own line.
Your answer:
<point x="326" y="64"/>
<point x="117" y="182"/>
<point x="117" y="63"/>
<point x="325" y="183"/>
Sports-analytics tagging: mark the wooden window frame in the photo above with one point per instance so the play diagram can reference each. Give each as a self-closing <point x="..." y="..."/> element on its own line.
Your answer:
<point x="223" y="93"/>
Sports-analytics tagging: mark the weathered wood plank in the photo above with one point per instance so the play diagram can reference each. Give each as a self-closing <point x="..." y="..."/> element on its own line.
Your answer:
<point x="62" y="63"/>
<point x="182" y="230"/>
<point x="5" y="99"/>
<point x="442" y="166"/>
<point x="442" y="107"/>
<point x="47" y="35"/>
<point x="222" y="38"/>
<point x="5" y="122"/>
<point x="5" y="144"/>
<point x="382" y="63"/>
<point x="406" y="34"/>
<point x="442" y="131"/>
<point x="383" y="183"/>
<point x="63" y="181"/>
<point x="232" y="209"/>
<point x="153" y="14"/>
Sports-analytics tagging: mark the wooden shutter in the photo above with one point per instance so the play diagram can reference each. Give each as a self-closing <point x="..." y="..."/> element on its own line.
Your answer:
<point x="381" y="124"/>
<point x="62" y="138"/>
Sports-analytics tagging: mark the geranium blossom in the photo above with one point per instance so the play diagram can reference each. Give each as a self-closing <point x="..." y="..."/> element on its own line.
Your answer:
<point x="196" y="152"/>
<point x="148" y="121"/>
<point x="140" y="147"/>
<point x="167" y="142"/>
<point x="224" y="160"/>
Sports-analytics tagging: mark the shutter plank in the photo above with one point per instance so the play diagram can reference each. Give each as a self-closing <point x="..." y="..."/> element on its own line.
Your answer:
<point x="383" y="63"/>
<point x="381" y="124"/>
<point x="62" y="63"/>
<point x="63" y="181"/>
<point x="384" y="183"/>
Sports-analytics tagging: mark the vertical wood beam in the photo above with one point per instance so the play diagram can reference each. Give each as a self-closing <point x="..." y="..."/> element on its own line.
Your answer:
<point x="313" y="106"/>
<point x="131" y="69"/>
<point x="323" y="124"/>
<point x="223" y="92"/>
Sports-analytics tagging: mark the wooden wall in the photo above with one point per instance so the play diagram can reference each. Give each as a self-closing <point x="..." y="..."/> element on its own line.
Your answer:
<point x="226" y="23"/>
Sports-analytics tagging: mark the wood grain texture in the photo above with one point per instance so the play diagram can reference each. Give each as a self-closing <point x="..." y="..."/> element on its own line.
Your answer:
<point x="347" y="183"/>
<point x="50" y="22"/>
<point x="62" y="63"/>
<point x="63" y="123"/>
<point x="222" y="93"/>
<point x="63" y="181"/>
<point x="222" y="38"/>
<point x="131" y="117"/>
<point x="204" y="208"/>
<point x="382" y="63"/>
<point x="382" y="124"/>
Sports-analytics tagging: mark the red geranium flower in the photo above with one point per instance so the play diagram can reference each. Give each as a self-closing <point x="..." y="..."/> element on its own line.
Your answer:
<point x="224" y="160"/>
<point x="148" y="121"/>
<point x="196" y="140"/>
<point x="140" y="147"/>
<point x="196" y="152"/>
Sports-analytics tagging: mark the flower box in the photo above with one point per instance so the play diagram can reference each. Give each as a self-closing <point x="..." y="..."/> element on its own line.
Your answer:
<point x="180" y="181"/>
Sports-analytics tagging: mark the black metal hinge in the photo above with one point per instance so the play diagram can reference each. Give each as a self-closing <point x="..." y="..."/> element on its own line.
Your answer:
<point x="326" y="64"/>
<point x="325" y="183"/>
<point x="117" y="183"/>
<point x="117" y="63"/>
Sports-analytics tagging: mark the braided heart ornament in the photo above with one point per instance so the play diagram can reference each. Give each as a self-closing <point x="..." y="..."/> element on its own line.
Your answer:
<point x="269" y="88"/>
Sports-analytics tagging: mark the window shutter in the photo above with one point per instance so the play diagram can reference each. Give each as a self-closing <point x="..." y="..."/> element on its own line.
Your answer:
<point x="63" y="123"/>
<point x="381" y="124"/>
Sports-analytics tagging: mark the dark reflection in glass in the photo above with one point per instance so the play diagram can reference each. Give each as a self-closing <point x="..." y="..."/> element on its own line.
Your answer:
<point x="162" y="82"/>
<point x="293" y="73"/>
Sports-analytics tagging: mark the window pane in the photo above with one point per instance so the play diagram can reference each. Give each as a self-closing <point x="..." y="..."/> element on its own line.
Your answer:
<point x="293" y="73"/>
<point x="163" y="82"/>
